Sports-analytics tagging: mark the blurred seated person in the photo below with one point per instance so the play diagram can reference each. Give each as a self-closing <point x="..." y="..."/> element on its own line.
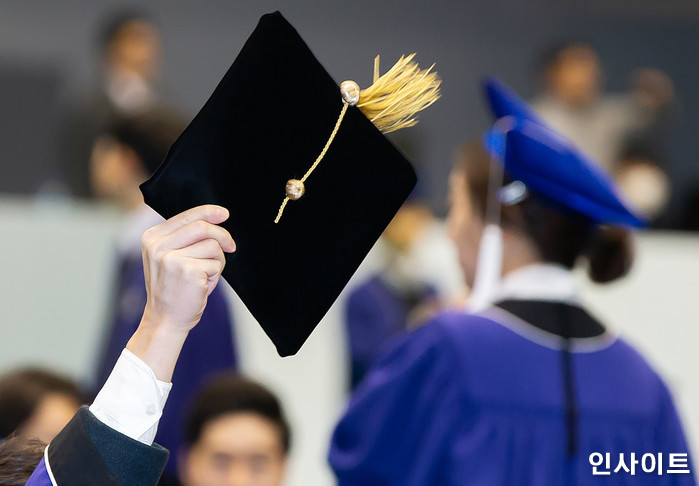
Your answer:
<point x="129" y="44"/>
<point x="36" y="403"/>
<point x="123" y="157"/>
<point x="235" y="435"/>
<point x="393" y="300"/>
<point x="601" y="124"/>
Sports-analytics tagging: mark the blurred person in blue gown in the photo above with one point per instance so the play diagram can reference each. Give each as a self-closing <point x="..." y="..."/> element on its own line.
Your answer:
<point x="123" y="157"/>
<point x="525" y="387"/>
<point x="394" y="299"/>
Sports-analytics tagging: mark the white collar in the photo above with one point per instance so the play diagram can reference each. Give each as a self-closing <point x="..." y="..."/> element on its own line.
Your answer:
<point x="539" y="281"/>
<point x="544" y="282"/>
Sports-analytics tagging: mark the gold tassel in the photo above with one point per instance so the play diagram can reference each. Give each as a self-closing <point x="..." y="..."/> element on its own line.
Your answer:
<point x="391" y="103"/>
<point x="393" y="100"/>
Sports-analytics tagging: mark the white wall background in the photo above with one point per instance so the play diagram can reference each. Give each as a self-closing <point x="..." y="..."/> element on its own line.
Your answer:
<point x="55" y="264"/>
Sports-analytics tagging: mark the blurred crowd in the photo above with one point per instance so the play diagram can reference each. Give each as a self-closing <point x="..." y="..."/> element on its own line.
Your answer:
<point x="629" y="132"/>
<point x="218" y="421"/>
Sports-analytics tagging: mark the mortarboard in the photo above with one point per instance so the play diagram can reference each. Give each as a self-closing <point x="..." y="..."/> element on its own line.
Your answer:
<point x="503" y="102"/>
<point x="303" y="167"/>
<point x="540" y="160"/>
<point x="549" y="164"/>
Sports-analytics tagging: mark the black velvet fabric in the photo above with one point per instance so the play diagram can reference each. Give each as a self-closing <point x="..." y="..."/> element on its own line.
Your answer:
<point x="266" y="122"/>
<point x="88" y="452"/>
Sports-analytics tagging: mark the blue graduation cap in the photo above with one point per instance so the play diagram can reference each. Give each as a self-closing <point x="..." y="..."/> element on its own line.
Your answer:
<point x="549" y="164"/>
<point x="505" y="102"/>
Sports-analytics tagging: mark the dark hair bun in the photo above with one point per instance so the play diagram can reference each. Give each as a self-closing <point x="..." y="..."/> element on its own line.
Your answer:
<point x="611" y="255"/>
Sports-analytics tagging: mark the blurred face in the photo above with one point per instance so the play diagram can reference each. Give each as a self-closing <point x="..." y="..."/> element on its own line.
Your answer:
<point x="114" y="169"/>
<point x="407" y="225"/>
<point x="53" y="413"/>
<point x="239" y="449"/>
<point x="465" y="225"/>
<point x="137" y="48"/>
<point x="575" y="77"/>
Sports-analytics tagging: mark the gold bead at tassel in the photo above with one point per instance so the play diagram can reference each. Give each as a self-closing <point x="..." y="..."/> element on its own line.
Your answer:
<point x="295" y="189"/>
<point x="350" y="92"/>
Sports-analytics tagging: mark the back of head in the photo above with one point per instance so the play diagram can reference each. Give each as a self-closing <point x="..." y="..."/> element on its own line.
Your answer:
<point x="22" y="391"/>
<point x="19" y="456"/>
<point x="560" y="235"/>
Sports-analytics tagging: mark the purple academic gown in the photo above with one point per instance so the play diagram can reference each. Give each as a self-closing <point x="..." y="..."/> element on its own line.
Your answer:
<point x="209" y="348"/>
<point x="479" y="400"/>
<point x="376" y="314"/>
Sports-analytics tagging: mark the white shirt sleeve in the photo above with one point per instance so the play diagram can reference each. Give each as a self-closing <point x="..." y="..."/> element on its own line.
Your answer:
<point x="132" y="399"/>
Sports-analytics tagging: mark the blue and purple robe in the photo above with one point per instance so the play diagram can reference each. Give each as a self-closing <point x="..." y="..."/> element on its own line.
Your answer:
<point x="377" y="313"/>
<point x="505" y="398"/>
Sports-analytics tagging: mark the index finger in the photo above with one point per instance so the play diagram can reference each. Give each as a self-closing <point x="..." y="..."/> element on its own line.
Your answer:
<point x="209" y="212"/>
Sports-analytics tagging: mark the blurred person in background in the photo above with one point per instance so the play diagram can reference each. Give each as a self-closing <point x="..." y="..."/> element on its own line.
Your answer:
<point x="19" y="456"/>
<point x="36" y="403"/>
<point x="130" y="51"/>
<point x="235" y="435"/>
<point x="394" y="299"/>
<point x="124" y="156"/>
<point x="602" y="124"/>
<point x="526" y="385"/>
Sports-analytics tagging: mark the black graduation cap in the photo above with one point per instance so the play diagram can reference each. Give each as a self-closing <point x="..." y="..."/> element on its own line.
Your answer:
<point x="309" y="180"/>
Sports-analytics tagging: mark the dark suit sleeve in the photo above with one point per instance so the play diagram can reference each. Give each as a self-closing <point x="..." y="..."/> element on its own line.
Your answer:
<point x="88" y="452"/>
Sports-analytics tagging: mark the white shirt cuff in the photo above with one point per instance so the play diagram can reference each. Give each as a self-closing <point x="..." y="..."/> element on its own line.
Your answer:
<point x="132" y="399"/>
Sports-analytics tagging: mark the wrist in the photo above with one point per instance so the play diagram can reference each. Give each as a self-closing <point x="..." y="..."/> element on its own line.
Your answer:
<point x="158" y="345"/>
<point x="152" y="318"/>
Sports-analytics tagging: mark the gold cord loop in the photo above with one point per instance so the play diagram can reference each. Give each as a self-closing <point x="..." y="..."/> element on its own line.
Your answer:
<point x="390" y="103"/>
<point x="315" y="164"/>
